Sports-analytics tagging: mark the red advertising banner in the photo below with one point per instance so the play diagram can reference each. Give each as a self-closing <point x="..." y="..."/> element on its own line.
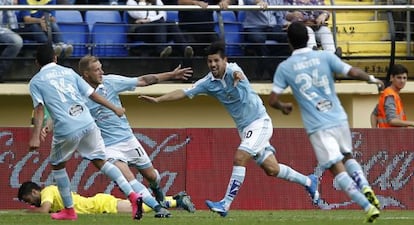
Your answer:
<point x="200" y="162"/>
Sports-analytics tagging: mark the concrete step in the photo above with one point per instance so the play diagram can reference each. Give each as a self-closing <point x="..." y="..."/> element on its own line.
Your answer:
<point x="361" y="31"/>
<point x="378" y="67"/>
<point x="373" y="48"/>
<point x="346" y="16"/>
<point x="355" y="15"/>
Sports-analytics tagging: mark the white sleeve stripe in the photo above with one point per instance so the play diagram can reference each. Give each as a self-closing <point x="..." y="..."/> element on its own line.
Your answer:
<point x="90" y="91"/>
<point x="346" y="70"/>
<point x="277" y="89"/>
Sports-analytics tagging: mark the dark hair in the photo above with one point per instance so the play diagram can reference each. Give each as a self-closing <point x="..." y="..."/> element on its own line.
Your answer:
<point x="398" y="69"/>
<point x="45" y="54"/>
<point x="26" y="188"/>
<point x="298" y="35"/>
<point x="217" y="47"/>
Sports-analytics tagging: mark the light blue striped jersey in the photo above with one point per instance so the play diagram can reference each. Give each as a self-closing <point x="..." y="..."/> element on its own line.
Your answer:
<point x="310" y="75"/>
<point x="242" y="102"/>
<point x="114" y="129"/>
<point x="62" y="91"/>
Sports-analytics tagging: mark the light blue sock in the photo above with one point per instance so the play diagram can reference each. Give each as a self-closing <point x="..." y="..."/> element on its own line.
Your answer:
<point x="236" y="181"/>
<point x="348" y="185"/>
<point x="63" y="184"/>
<point x="287" y="173"/>
<point x="355" y="171"/>
<point x="146" y="195"/>
<point x="155" y="183"/>
<point x="115" y="174"/>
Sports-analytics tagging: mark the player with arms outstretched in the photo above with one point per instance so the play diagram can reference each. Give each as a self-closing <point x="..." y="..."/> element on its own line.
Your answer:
<point x="229" y="85"/>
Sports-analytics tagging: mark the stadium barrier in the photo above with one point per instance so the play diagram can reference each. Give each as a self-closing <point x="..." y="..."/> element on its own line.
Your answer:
<point x="199" y="161"/>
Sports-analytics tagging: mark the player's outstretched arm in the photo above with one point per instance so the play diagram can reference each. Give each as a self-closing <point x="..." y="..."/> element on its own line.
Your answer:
<point x="172" y="96"/>
<point x="358" y="74"/>
<point x="177" y="74"/>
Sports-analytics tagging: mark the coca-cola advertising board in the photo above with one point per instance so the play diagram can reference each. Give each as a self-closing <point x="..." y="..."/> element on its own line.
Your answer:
<point x="199" y="160"/>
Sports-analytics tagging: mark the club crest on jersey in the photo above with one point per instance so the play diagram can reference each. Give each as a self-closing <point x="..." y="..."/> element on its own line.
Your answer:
<point x="102" y="90"/>
<point x="324" y="105"/>
<point x="75" y="110"/>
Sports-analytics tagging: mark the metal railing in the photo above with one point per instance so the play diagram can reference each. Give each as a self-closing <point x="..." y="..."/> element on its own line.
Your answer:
<point x="333" y="8"/>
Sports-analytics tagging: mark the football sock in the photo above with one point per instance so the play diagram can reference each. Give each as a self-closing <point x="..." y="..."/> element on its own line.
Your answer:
<point x="355" y="171"/>
<point x="155" y="184"/>
<point x="168" y="203"/>
<point x="236" y="180"/>
<point x="287" y="173"/>
<point x="348" y="185"/>
<point x="147" y="198"/>
<point x="115" y="174"/>
<point x="63" y="184"/>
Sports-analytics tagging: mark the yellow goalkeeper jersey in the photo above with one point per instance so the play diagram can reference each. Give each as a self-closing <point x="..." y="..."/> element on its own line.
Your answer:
<point x="100" y="203"/>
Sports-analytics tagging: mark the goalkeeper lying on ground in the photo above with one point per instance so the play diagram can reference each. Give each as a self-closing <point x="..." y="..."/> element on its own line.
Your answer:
<point x="48" y="200"/>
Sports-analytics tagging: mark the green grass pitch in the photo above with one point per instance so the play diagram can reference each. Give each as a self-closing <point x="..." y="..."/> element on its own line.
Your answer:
<point x="236" y="217"/>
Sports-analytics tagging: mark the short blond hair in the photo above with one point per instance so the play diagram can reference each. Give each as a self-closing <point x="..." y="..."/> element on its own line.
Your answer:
<point x="85" y="62"/>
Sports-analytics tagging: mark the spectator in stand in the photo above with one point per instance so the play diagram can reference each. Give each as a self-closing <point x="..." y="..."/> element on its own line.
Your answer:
<point x="199" y="25"/>
<point x="316" y="23"/>
<point x="151" y="27"/>
<point x="389" y="111"/>
<point x="262" y="25"/>
<point x="35" y="25"/>
<point x="400" y="19"/>
<point x="265" y="37"/>
<point x="10" y="42"/>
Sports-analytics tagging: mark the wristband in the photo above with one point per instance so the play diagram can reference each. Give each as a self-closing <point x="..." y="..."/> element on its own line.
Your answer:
<point x="372" y="79"/>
